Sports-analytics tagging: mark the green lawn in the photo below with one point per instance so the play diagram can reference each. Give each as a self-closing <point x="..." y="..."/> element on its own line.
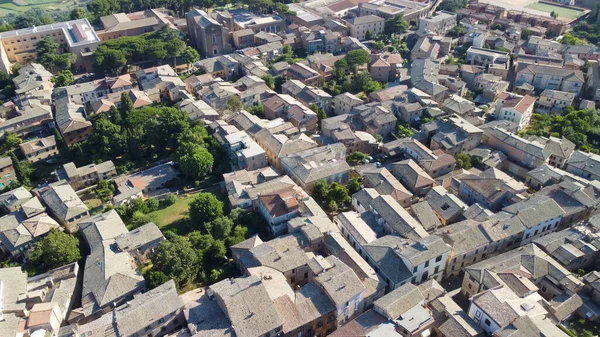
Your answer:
<point x="561" y="11"/>
<point x="174" y="217"/>
<point x="18" y="6"/>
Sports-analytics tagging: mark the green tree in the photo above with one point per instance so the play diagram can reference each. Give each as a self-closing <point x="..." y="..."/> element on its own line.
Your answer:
<point x="320" y="191"/>
<point x="321" y="115"/>
<point x="106" y="137"/>
<point x="32" y="17"/>
<point x="22" y="170"/>
<point x="6" y="27"/>
<point x="60" y="143"/>
<point x="199" y="241"/>
<point x="258" y="110"/>
<point x="554" y="14"/>
<point x="404" y="131"/>
<point x="78" y="13"/>
<point x="126" y="104"/>
<point x="214" y="255"/>
<point x="6" y="84"/>
<point x="64" y="60"/>
<point x="353" y="185"/>
<point x="172" y="122"/>
<point x="569" y="39"/>
<point x="369" y="35"/>
<point x="172" y="43"/>
<point x="357" y="57"/>
<point x="216" y="275"/>
<point x="63" y="78"/>
<point x="234" y="104"/>
<point x="340" y="67"/>
<point x="238" y="235"/>
<point x="154" y="279"/>
<point x="396" y="25"/>
<point x="196" y="162"/>
<point x="332" y="206"/>
<point x="169" y="200"/>
<point x="205" y="208"/>
<point x="221" y="227"/>
<point x="56" y="249"/>
<point x="152" y="204"/>
<point x="9" y="143"/>
<point x="457" y="31"/>
<point x="103" y="190"/>
<point x="139" y="219"/>
<point x="356" y="157"/>
<point x="176" y="259"/>
<point x="371" y="86"/>
<point x="360" y="80"/>
<point x="98" y="8"/>
<point x="379" y="45"/>
<point x="269" y="81"/>
<point x="190" y="55"/>
<point x="463" y="161"/>
<point x="526" y="33"/>
<point x="338" y="193"/>
<point x="109" y="61"/>
<point x="452" y="5"/>
<point x="46" y="51"/>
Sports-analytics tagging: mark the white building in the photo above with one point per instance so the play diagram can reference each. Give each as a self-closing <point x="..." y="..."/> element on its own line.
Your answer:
<point x="438" y="24"/>
<point x="485" y="57"/>
<point x="359" y="26"/>
<point x="515" y="108"/>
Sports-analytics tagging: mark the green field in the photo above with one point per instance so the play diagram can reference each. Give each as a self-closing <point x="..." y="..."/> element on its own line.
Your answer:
<point x="18" y="6"/>
<point x="174" y="217"/>
<point x="561" y="11"/>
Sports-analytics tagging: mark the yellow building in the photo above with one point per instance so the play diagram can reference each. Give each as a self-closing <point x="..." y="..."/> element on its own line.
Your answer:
<point x="76" y="36"/>
<point x="133" y="24"/>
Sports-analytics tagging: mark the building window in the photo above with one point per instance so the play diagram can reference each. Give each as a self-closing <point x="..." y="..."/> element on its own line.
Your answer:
<point x="487" y="322"/>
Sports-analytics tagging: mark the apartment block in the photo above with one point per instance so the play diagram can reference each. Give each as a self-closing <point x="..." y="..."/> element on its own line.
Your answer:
<point x="39" y="149"/>
<point x="133" y="24"/>
<point x="485" y="57"/>
<point x="75" y="36"/>
<point x="439" y="24"/>
<point x="359" y="26"/>
<point x="80" y="177"/>
<point x="543" y="77"/>
<point x="515" y="108"/>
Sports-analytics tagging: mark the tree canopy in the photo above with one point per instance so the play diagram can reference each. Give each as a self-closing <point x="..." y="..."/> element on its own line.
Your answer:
<point x="582" y="127"/>
<point x="163" y="44"/>
<point x="205" y="208"/>
<point x="56" y="249"/>
<point x="396" y="25"/>
<point x="32" y="17"/>
<point x="49" y="55"/>
<point x="463" y="161"/>
<point x="570" y="39"/>
<point x="234" y="104"/>
<point x="357" y="57"/>
<point x="176" y="259"/>
<point x="453" y="5"/>
<point x="63" y="78"/>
